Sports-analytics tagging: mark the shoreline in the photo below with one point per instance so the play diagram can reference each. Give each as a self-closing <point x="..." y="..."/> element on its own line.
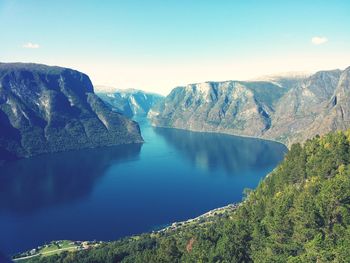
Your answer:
<point x="221" y="132"/>
<point x="82" y="245"/>
<point x="203" y="217"/>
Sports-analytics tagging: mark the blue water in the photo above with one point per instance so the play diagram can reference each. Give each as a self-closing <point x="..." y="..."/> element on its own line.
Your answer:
<point x="108" y="193"/>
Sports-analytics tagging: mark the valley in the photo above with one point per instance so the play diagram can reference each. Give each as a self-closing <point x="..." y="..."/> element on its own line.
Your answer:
<point x="113" y="192"/>
<point x="188" y="147"/>
<point x="130" y="103"/>
<point x="174" y="131"/>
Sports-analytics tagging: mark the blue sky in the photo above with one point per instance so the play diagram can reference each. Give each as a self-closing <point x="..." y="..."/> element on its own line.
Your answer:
<point x="157" y="45"/>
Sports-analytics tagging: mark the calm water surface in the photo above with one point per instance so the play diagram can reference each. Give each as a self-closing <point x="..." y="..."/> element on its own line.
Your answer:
<point x="108" y="193"/>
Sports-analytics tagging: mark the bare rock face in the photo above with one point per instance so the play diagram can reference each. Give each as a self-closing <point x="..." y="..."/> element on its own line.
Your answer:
<point x="335" y="114"/>
<point x="243" y="108"/>
<point x="131" y="103"/>
<point x="47" y="109"/>
<point x="299" y="108"/>
<point x="284" y="109"/>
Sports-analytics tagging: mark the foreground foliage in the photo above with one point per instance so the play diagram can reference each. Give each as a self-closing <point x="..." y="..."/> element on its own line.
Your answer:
<point x="299" y="213"/>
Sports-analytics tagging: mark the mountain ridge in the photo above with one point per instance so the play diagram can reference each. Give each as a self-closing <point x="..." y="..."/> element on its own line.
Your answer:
<point x="47" y="109"/>
<point x="286" y="111"/>
<point x="130" y="102"/>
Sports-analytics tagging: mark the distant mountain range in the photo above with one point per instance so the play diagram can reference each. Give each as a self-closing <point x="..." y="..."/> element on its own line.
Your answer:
<point x="287" y="109"/>
<point x="49" y="109"/>
<point x="130" y="102"/>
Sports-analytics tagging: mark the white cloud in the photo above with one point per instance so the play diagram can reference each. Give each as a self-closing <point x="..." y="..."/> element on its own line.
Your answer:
<point x="30" y="45"/>
<point x="318" y="40"/>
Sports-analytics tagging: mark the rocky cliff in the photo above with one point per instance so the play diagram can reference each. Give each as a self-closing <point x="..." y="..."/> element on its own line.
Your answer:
<point x="282" y="109"/>
<point x="235" y="107"/>
<point x="49" y="109"/>
<point x="130" y="102"/>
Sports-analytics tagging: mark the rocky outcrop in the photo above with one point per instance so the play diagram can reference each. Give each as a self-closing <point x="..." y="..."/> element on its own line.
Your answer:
<point x="47" y="109"/>
<point x="284" y="109"/>
<point x="130" y="102"/>
<point x="235" y="107"/>
<point x="335" y="113"/>
<point x="301" y="106"/>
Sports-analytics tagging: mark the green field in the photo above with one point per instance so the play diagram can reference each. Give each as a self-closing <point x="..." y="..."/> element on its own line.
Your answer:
<point x="54" y="248"/>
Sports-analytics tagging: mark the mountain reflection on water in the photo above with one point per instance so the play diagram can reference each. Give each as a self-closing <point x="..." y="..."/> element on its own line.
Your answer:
<point x="213" y="151"/>
<point x="112" y="192"/>
<point x="30" y="184"/>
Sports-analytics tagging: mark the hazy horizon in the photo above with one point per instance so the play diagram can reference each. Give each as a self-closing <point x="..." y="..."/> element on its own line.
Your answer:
<point x="111" y="88"/>
<point x="156" y="45"/>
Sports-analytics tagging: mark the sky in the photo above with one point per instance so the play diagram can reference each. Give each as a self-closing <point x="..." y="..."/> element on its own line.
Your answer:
<point x="156" y="45"/>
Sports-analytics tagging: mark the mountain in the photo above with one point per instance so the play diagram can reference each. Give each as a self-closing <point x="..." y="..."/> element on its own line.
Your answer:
<point x="47" y="109"/>
<point x="235" y="107"/>
<point x="287" y="109"/>
<point x="130" y="102"/>
<point x="298" y="213"/>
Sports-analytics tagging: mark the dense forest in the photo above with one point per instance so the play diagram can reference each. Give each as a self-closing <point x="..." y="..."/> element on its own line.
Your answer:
<point x="298" y="213"/>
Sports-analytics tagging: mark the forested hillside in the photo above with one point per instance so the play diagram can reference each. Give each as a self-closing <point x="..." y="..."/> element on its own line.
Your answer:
<point x="299" y="213"/>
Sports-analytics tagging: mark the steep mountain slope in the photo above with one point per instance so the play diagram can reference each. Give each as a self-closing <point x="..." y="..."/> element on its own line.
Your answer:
<point x="299" y="213"/>
<point x="242" y="108"/>
<point x="131" y="103"/>
<point x="48" y="109"/>
<point x="301" y="106"/>
<point x="283" y="109"/>
<point x="336" y="115"/>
